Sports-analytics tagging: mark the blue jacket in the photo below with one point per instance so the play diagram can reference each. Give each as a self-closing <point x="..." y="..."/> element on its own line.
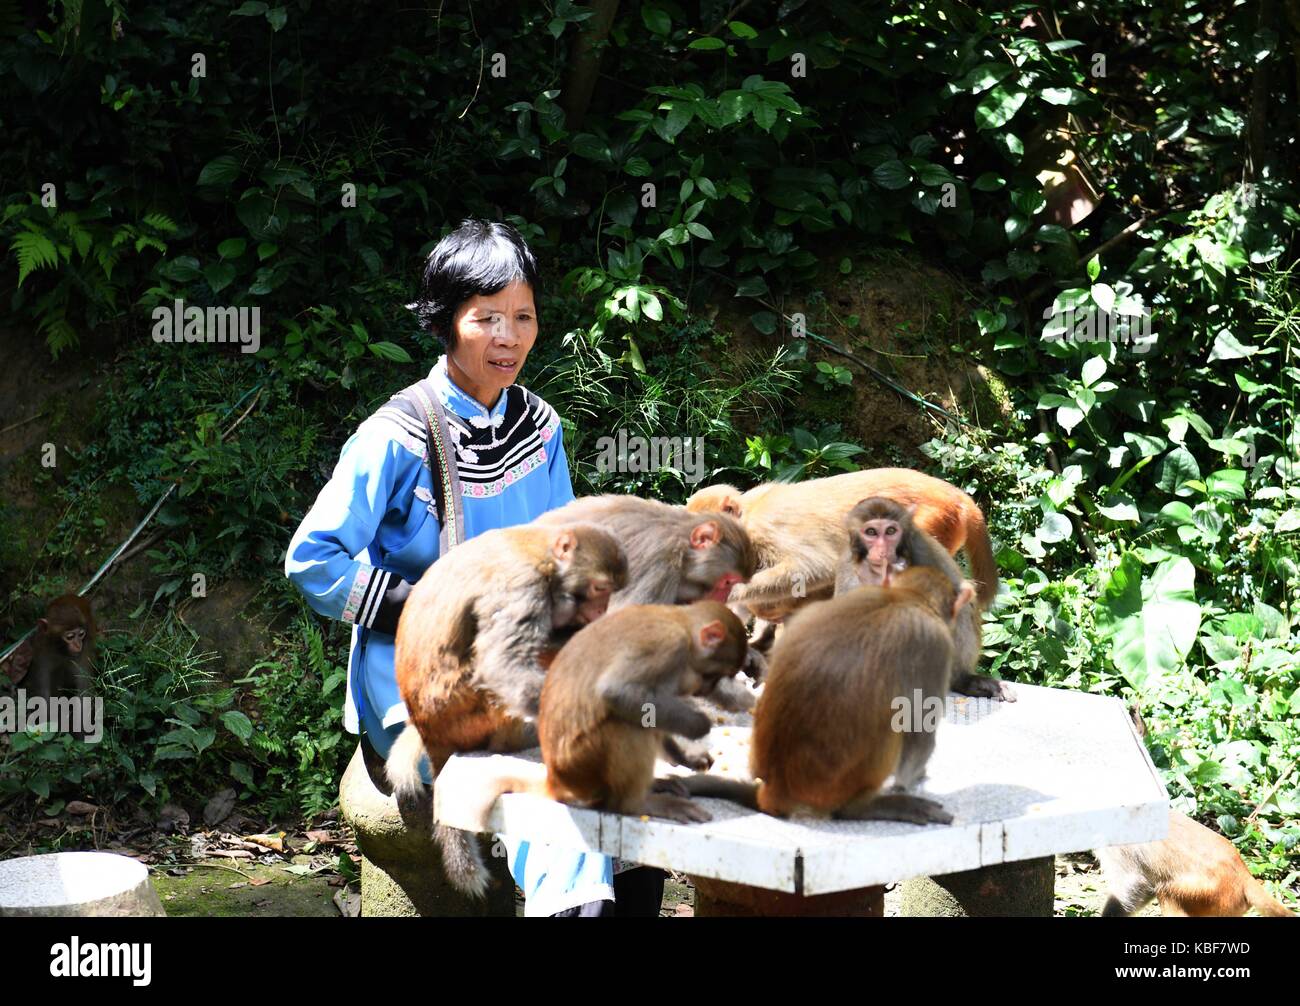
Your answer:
<point x="373" y="529"/>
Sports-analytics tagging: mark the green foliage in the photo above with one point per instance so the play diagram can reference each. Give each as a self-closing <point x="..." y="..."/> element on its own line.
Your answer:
<point x="167" y="728"/>
<point x="1142" y="490"/>
<point x="299" y="742"/>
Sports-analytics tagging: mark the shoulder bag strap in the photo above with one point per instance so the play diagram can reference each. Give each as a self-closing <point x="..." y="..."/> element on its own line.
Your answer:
<point x="442" y="465"/>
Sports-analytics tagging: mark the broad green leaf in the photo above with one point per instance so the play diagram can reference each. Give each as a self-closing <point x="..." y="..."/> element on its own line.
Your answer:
<point x="390" y="351"/>
<point x="892" y="175"/>
<point x="238" y="724"/>
<point x="999" y="106"/>
<point x="657" y="20"/>
<point x="1151" y="623"/>
<point x="1179" y="467"/>
<point x="1093" y="370"/>
<point x="220" y="171"/>
<point x="1227" y="347"/>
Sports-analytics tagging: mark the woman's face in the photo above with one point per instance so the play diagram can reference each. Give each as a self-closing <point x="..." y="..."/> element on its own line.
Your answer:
<point x="494" y="335"/>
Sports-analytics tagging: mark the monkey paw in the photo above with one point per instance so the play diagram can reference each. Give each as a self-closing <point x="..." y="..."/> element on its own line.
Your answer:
<point x="672" y="786"/>
<point x="984" y="687"/>
<point x="675" y="808"/>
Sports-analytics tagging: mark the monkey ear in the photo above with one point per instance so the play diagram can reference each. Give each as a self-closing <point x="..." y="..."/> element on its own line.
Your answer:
<point x="711" y="635"/>
<point x="911" y="510"/>
<point x="705" y="535"/>
<point x="565" y="542"/>
<point x="964" y="595"/>
<point x="731" y="507"/>
<point x="42" y="625"/>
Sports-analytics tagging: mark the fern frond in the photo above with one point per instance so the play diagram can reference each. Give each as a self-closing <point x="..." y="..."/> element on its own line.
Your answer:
<point x="148" y="241"/>
<point x="160" y="222"/>
<point x="59" y="334"/>
<point x="34" y="251"/>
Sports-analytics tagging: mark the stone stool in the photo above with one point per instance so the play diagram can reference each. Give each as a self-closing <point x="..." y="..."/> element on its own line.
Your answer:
<point x="81" y="884"/>
<point x="401" y="868"/>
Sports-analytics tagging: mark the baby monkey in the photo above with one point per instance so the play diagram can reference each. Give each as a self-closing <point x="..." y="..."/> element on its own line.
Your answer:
<point x="615" y="698"/>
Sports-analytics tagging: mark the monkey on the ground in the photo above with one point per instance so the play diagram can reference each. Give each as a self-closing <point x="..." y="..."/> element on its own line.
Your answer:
<point x="798" y="530"/>
<point x="1193" y="871"/>
<point x="884" y="539"/>
<point x="673" y="557"/>
<point x="56" y="662"/>
<point x="614" y="698"/>
<point x="474" y="633"/>
<point x="854" y="694"/>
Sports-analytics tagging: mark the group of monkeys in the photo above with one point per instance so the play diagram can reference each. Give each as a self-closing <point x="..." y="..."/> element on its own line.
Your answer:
<point x="593" y="630"/>
<point x="505" y="643"/>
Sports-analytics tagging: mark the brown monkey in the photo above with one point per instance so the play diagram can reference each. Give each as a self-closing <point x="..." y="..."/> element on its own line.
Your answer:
<point x="613" y="700"/>
<point x="797" y="529"/>
<point x="854" y="694"/>
<point x="673" y="556"/>
<point x="882" y="541"/>
<point x="474" y="632"/>
<point x="1193" y="871"/>
<point x="61" y="651"/>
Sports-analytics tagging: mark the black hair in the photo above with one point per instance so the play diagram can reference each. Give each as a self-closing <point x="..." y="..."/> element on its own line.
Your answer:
<point x="476" y="259"/>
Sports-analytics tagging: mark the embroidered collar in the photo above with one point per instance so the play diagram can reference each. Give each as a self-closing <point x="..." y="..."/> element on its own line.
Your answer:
<point x="462" y="403"/>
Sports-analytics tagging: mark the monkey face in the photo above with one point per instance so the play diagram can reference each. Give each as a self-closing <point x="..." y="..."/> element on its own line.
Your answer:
<point x="73" y="640"/>
<point x="875" y="547"/>
<point x="596" y="601"/>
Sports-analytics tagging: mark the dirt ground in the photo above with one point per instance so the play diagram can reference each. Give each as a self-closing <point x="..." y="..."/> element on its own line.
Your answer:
<point x="220" y="888"/>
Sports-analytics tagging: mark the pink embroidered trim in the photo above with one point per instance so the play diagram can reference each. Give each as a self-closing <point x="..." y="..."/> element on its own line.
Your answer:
<point x="358" y="591"/>
<point x="512" y="475"/>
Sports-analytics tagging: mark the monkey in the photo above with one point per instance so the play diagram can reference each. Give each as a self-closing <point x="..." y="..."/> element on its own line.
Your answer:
<point x="854" y="693"/>
<point x="797" y="529"/>
<point x="882" y="540"/>
<point x="612" y="701"/>
<point x="673" y="556"/>
<point x="473" y="635"/>
<point x="62" y="650"/>
<point x="1193" y="871"/>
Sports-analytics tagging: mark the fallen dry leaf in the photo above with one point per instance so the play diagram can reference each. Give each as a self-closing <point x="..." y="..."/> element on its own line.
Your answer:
<point x="273" y="842"/>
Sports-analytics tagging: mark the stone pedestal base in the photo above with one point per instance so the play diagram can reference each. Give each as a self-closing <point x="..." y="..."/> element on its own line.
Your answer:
<point x="715" y="898"/>
<point x="1022" y="889"/>
<point x="76" y="884"/>
<point x="401" y="870"/>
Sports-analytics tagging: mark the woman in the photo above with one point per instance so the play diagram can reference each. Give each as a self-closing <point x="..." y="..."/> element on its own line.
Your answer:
<point x="374" y="529"/>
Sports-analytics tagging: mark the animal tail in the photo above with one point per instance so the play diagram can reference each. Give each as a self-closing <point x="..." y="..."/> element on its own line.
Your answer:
<point x="403" y="764"/>
<point x="979" y="550"/>
<point x="1264" y="903"/>
<point x="462" y="857"/>
<point x="743" y="792"/>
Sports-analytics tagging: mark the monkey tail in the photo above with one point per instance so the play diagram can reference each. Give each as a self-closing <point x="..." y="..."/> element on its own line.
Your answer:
<point x="403" y="765"/>
<point x="462" y="858"/>
<point x="979" y="550"/>
<point x="738" y="791"/>
<point x="1264" y="903"/>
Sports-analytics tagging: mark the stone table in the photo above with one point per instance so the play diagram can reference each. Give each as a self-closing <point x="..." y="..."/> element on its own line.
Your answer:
<point x="1057" y="771"/>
